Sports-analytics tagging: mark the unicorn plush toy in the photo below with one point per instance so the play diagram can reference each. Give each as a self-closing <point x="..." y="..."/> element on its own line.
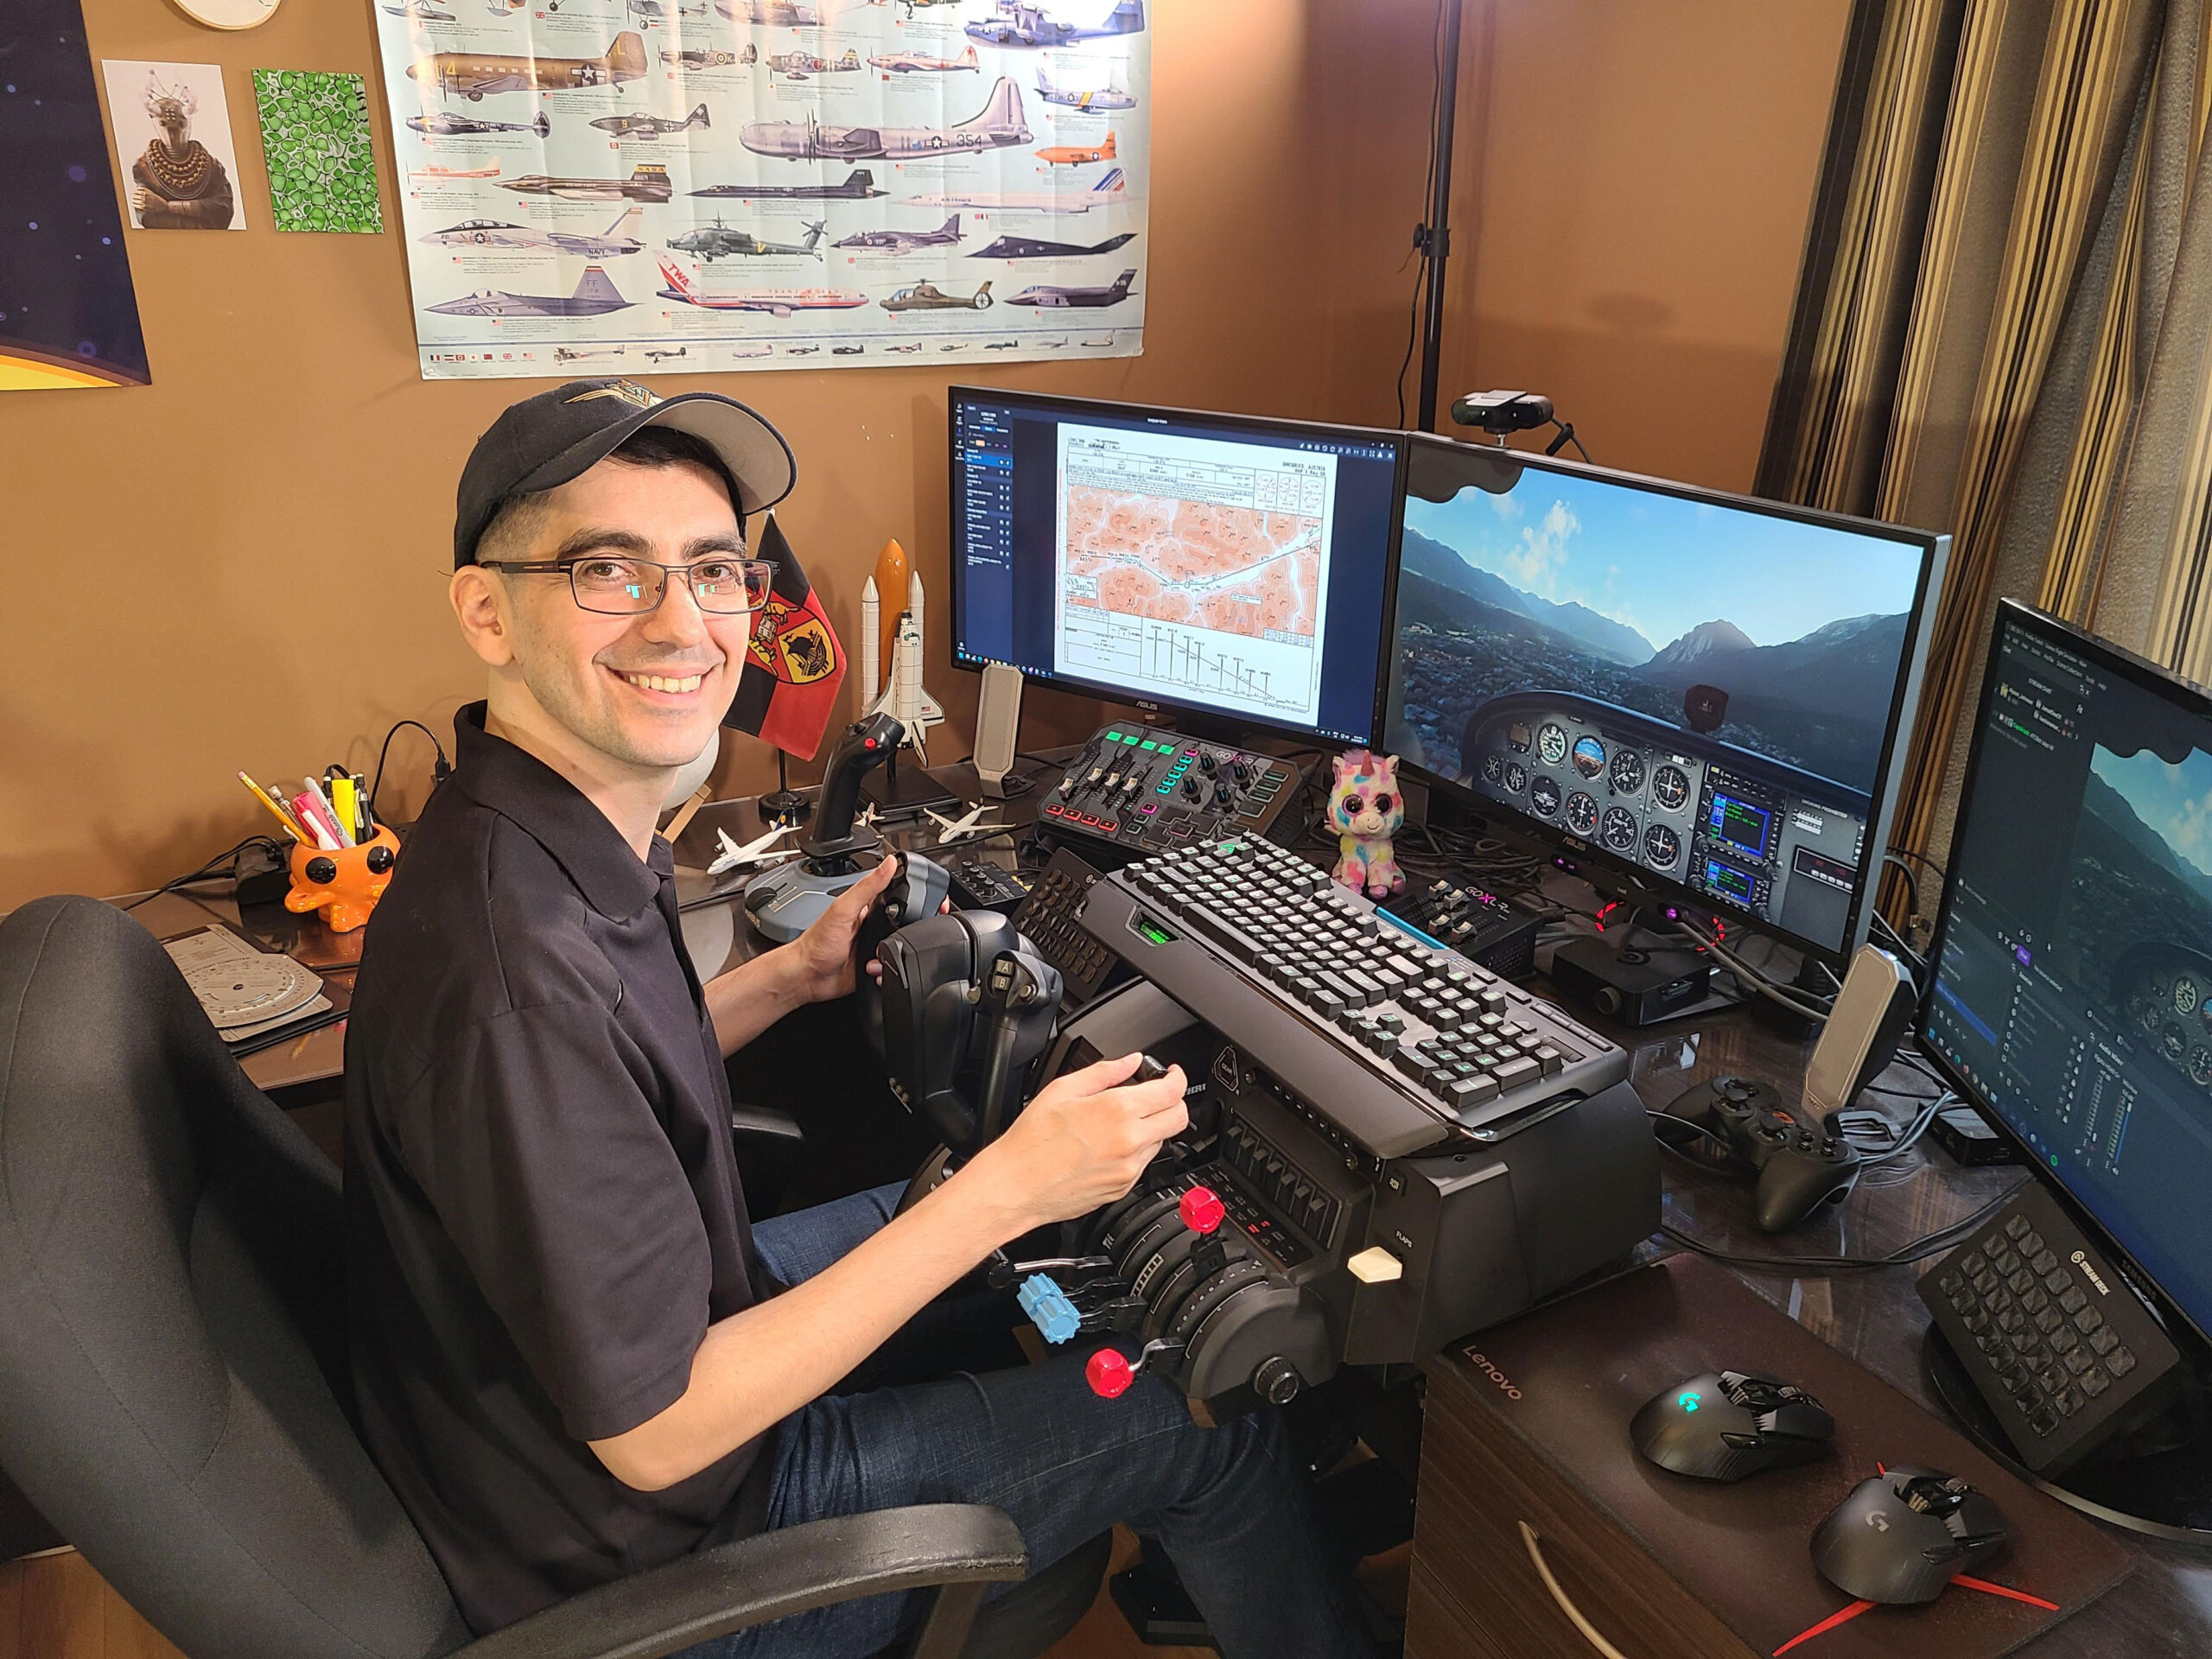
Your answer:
<point x="1366" y="810"/>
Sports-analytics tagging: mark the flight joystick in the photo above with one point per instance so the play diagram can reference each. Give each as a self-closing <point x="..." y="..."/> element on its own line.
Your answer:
<point x="783" y="903"/>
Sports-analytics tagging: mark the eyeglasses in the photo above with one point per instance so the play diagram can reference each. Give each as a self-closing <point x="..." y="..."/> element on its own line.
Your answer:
<point x="625" y="587"/>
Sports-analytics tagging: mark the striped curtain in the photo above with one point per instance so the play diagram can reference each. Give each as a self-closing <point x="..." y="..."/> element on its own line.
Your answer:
<point x="2001" y="328"/>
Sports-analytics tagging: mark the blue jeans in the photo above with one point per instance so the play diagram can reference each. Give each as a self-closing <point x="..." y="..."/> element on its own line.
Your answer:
<point x="1230" y="1505"/>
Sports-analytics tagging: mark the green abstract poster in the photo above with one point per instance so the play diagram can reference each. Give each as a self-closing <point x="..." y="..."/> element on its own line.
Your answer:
<point x="315" y="134"/>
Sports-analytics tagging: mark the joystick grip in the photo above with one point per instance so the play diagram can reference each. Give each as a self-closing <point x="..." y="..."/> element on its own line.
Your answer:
<point x="866" y="743"/>
<point x="1108" y="1374"/>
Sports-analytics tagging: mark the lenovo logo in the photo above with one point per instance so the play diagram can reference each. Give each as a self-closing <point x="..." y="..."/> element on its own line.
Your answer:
<point x="2082" y="1260"/>
<point x="1481" y="1363"/>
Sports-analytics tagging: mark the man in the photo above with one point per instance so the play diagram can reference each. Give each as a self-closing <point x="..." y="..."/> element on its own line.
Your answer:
<point x="575" y="1358"/>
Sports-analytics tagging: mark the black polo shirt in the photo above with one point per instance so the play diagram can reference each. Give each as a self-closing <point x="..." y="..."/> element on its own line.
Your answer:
<point x="542" y="1209"/>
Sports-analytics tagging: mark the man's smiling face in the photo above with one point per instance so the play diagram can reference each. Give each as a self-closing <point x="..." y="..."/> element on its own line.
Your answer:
<point x="647" y="690"/>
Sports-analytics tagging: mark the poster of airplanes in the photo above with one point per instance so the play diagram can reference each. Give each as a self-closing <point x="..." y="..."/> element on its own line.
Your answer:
<point x="634" y="187"/>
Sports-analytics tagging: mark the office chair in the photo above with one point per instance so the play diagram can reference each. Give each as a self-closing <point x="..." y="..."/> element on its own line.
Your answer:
<point x="174" y="1389"/>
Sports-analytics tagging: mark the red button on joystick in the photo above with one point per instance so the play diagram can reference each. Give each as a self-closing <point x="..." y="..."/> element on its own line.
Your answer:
<point x="1201" y="1210"/>
<point x="1108" y="1374"/>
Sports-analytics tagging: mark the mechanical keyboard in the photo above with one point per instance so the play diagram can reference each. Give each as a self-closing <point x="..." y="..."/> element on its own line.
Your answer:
<point x="1262" y="946"/>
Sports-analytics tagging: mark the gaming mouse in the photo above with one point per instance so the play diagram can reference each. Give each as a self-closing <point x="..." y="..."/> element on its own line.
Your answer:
<point x="1726" y="1425"/>
<point x="1905" y="1534"/>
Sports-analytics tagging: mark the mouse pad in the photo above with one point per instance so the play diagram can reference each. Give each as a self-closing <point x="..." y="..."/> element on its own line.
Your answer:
<point x="1581" y="1368"/>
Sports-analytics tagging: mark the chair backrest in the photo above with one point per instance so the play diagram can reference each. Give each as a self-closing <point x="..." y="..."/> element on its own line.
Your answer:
<point x="174" y="1390"/>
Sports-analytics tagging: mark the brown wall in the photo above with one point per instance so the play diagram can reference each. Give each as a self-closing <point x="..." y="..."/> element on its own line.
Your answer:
<point x="243" y="564"/>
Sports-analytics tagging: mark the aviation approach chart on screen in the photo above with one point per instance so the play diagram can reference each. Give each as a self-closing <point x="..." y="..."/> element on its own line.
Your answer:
<point x="635" y="186"/>
<point x="1192" y="567"/>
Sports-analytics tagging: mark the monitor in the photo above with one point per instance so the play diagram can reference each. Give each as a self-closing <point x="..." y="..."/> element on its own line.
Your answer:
<point x="2072" y="1001"/>
<point x="1221" y="566"/>
<point x="1688" y="695"/>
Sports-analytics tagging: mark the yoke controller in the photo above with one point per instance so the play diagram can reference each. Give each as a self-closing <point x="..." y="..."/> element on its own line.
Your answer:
<point x="785" y="902"/>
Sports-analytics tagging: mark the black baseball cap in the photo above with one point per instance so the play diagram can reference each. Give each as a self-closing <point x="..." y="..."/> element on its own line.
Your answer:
<point x="542" y="442"/>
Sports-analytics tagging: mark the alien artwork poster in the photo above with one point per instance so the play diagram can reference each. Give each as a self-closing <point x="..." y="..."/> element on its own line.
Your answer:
<point x="68" y="313"/>
<point x="638" y="187"/>
<point x="173" y="145"/>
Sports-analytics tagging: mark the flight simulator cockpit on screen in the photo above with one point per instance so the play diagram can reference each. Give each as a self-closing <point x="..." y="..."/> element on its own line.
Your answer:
<point x="1705" y="690"/>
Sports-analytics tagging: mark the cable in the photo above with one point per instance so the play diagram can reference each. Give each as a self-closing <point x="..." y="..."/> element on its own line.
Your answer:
<point x="440" y="769"/>
<point x="1423" y="232"/>
<point x="223" y="866"/>
<point x="1820" y="1266"/>
<point x="1911" y="885"/>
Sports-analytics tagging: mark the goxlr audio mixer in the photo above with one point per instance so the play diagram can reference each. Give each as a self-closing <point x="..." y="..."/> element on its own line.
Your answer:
<point x="1139" y="790"/>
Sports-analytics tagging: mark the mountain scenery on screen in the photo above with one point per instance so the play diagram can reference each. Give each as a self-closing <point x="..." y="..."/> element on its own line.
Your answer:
<point x="2141" y="852"/>
<point x="1465" y="635"/>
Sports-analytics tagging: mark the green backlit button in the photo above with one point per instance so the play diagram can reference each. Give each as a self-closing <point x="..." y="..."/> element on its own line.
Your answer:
<point x="1113" y="737"/>
<point x="1148" y="744"/>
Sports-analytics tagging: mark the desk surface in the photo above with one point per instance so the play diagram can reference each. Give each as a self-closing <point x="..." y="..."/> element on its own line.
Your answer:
<point x="2165" y="1606"/>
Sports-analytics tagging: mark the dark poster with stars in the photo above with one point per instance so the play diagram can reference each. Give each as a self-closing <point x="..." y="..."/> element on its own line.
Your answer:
<point x="68" y="315"/>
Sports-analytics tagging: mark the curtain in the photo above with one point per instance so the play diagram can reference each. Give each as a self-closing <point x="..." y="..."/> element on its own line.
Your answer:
<point x="2002" y="326"/>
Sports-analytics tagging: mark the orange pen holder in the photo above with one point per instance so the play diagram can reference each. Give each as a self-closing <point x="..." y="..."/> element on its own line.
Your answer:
<point x="343" y="885"/>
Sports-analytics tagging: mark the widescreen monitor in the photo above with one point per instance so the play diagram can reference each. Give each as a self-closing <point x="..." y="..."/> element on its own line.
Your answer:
<point x="1693" y="694"/>
<point x="1225" y="567"/>
<point x="2072" y="1000"/>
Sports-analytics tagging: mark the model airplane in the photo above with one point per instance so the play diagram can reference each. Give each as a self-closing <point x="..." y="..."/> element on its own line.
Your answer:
<point x="443" y="126"/>
<point x="420" y="11"/>
<point x="1095" y="98"/>
<point x="1107" y="192"/>
<point x="657" y="11"/>
<point x="908" y="63"/>
<point x="648" y="181"/>
<point x="718" y="241"/>
<point x="770" y="14"/>
<point x="435" y="173"/>
<point x="926" y="296"/>
<point x="471" y="74"/>
<point x="1051" y="298"/>
<point x="651" y="126"/>
<point x="998" y="125"/>
<point x="846" y="351"/>
<point x="1000" y="345"/>
<point x="663" y="356"/>
<point x="1024" y="25"/>
<point x="1069" y="155"/>
<point x="859" y="186"/>
<point x="915" y="347"/>
<point x="904" y="241"/>
<point x="576" y="354"/>
<point x="613" y="243"/>
<point x="900" y="694"/>
<point x="700" y="57"/>
<point x="1026" y="247"/>
<point x="1102" y="340"/>
<point x="759" y="850"/>
<point x="595" y="296"/>
<point x="801" y="351"/>
<point x="952" y="831"/>
<point x="797" y="66"/>
<point x="776" y="301"/>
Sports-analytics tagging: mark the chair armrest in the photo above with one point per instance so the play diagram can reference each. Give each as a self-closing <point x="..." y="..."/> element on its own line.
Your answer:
<point x="764" y="1124"/>
<point x="770" y="1575"/>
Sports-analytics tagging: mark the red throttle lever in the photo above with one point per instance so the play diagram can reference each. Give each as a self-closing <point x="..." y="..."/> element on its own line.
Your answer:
<point x="1110" y="1374"/>
<point x="1201" y="1209"/>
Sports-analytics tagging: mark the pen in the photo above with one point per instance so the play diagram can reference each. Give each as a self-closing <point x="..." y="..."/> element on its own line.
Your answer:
<point x="361" y="808"/>
<point x="342" y="805"/>
<point x="326" y="811"/>
<point x="314" y="812"/>
<point x="282" y="816"/>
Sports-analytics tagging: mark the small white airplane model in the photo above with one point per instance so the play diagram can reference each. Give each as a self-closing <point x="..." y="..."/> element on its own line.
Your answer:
<point x="963" y="828"/>
<point x="759" y="850"/>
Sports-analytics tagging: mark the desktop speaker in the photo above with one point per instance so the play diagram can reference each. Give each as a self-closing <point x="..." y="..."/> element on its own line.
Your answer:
<point x="998" y="721"/>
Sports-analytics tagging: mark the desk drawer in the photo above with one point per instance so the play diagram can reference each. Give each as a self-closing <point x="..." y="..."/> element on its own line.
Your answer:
<point x="1509" y="1563"/>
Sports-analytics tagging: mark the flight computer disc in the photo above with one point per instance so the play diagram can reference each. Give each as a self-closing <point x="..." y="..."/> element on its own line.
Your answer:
<point x="228" y="14"/>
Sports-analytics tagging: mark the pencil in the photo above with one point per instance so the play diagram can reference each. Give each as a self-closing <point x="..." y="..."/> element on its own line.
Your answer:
<point x="277" y="811"/>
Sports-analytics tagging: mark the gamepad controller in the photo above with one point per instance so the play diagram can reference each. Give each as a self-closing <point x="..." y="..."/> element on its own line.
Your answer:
<point x="1798" y="1166"/>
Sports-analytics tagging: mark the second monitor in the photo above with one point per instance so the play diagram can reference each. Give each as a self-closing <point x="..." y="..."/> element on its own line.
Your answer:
<point x="1710" y="693"/>
<point x="1223" y="566"/>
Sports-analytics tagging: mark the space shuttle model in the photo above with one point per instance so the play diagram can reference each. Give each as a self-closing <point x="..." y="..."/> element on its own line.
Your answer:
<point x="899" y="693"/>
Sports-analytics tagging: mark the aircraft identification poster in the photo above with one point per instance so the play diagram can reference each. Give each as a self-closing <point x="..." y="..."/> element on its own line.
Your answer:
<point x="610" y="187"/>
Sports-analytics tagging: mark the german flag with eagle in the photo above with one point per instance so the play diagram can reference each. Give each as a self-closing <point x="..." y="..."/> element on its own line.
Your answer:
<point x="793" y="665"/>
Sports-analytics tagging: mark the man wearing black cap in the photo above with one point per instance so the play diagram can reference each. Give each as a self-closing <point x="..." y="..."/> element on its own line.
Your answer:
<point x="573" y="1357"/>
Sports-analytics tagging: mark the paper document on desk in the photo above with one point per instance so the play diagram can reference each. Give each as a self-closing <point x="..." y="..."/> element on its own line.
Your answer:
<point x="245" y="991"/>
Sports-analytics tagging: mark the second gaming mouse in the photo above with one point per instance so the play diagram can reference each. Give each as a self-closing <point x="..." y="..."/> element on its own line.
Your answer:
<point x="1726" y="1425"/>
<point x="1902" y="1535"/>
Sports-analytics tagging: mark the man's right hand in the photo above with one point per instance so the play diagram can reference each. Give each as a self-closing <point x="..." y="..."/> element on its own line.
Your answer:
<point x="1082" y="1143"/>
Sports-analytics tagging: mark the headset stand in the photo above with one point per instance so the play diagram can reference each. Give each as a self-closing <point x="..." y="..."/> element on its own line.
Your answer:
<point x="2160" y="1490"/>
